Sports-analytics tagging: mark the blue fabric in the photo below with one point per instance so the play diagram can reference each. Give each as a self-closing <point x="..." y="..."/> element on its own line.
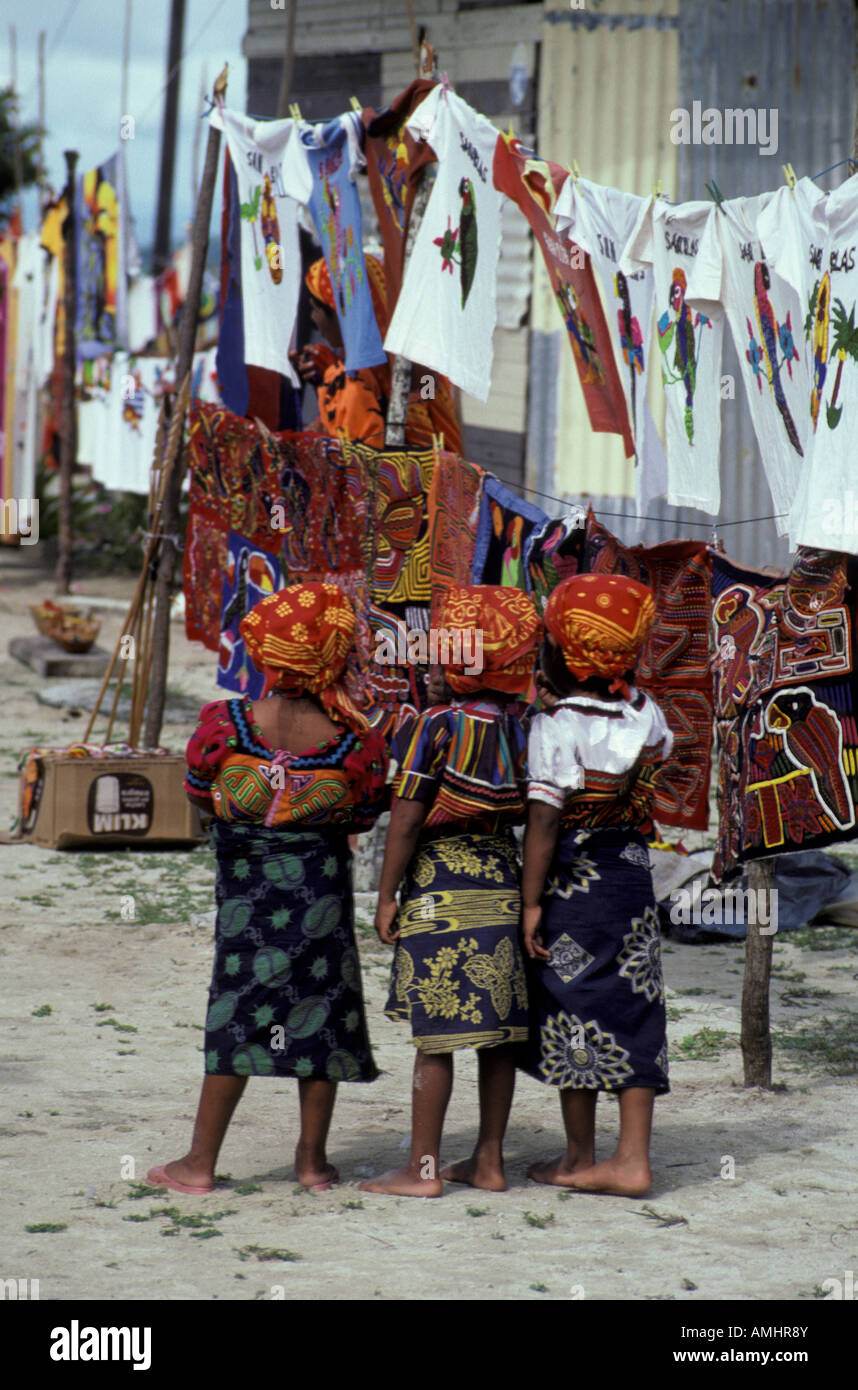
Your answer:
<point x="598" y="1020"/>
<point x="251" y="576"/>
<point x="498" y="554"/>
<point x="231" y="370"/>
<point x="285" y="996"/>
<point x="335" y="209"/>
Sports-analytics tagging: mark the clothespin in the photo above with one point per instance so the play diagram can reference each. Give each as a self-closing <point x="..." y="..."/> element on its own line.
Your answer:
<point x="355" y="104"/>
<point x="511" y="132"/>
<point x="574" y="170"/>
<point x="789" y="175"/>
<point x="445" y="84"/>
<point x="714" y="193"/>
<point x="656" y="190"/>
<point x="295" y="111"/>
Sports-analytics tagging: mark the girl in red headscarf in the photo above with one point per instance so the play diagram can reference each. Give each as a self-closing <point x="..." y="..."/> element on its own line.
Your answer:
<point x="287" y="778"/>
<point x="458" y="973"/>
<point x="355" y="406"/>
<point x="590" y="924"/>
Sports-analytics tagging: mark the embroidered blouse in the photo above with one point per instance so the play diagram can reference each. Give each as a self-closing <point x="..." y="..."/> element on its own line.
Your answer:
<point x="340" y="782"/>
<point x="596" y="760"/>
<point x="466" y="761"/>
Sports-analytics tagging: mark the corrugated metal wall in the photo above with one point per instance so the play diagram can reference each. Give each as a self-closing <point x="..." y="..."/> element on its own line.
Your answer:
<point x="609" y="83"/>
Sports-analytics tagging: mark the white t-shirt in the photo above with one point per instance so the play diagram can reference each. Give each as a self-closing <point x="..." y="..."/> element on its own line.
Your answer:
<point x="739" y="269"/>
<point x="582" y="734"/>
<point x="446" y="311"/>
<point x="268" y="157"/>
<point x="817" y="240"/>
<point x="601" y="221"/>
<point x="669" y="238"/>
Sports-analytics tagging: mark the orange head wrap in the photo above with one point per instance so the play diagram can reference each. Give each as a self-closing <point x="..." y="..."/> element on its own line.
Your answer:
<point x="318" y="282"/>
<point x="599" y="621"/>
<point x="503" y="627"/>
<point x="300" y="638"/>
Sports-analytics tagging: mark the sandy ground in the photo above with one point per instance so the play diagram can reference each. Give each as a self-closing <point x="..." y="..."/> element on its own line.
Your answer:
<point x="108" y="1079"/>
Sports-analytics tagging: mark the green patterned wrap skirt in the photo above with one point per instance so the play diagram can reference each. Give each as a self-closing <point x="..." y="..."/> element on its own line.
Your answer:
<point x="458" y="973"/>
<point x="286" y="996"/>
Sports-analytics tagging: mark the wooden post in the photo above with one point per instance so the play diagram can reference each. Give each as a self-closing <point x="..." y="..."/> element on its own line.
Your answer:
<point x="68" y="439"/>
<point x="170" y="514"/>
<point x="161" y="250"/>
<point x="40" y="177"/>
<point x="756" y="1035"/>
<point x="288" y="62"/>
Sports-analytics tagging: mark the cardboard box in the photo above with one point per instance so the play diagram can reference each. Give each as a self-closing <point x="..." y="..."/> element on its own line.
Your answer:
<point x="82" y="803"/>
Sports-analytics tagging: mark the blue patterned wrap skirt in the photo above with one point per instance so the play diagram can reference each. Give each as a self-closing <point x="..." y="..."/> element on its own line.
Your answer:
<point x="598" y="1018"/>
<point x="458" y="971"/>
<point x="286" y="996"/>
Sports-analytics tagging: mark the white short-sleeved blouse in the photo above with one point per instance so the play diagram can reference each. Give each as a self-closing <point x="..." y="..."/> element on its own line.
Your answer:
<point x="582" y="735"/>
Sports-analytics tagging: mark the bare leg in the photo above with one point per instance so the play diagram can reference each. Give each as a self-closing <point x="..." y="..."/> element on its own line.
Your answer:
<point x="433" y="1082"/>
<point x="497" y="1082"/>
<point x="579" y="1117"/>
<point x="317" y="1106"/>
<point x="218" y="1099"/>
<point x="627" y="1172"/>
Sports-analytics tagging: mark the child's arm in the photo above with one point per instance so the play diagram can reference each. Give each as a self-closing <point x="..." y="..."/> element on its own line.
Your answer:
<point x="406" y="820"/>
<point x="540" y="838"/>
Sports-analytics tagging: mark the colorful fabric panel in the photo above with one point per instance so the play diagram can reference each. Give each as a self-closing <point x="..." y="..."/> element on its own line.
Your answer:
<point x="786" y="698"/>
<point x="504" y="528"/>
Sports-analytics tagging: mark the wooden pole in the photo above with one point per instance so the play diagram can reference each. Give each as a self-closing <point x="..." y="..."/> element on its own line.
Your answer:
<point x="288" y="61"/>
<point x="170" y="512"/>
<point x="161" y="250"/>
<point x="756" y="1035"/>
<point x="68" y="440"/>
<point x="415" y="37"/>
<point x="41" y="155"/>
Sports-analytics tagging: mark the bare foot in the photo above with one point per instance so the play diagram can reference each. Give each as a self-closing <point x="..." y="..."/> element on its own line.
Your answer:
<point x="621" y="1177"/>
<point x="404" y="1183"/>
<point x="182" y="1171"/>
<point x="476" y="1174"/>
<point x="314" y="1171"/>
<point x="559" y="1172"/>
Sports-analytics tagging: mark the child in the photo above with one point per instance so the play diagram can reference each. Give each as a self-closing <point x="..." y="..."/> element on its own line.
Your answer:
<point x="458" y="974"/>
<point x="287" y="777"/>
<point x="590" y="925"/>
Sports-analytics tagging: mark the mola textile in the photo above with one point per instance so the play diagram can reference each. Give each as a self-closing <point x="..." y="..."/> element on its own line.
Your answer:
<point x="505" y="526"/>
<point x="674" y="661"/>
<point x="785" y="703"/>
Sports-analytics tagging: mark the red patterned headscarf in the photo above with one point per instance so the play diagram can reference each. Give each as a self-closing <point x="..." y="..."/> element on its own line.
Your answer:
<point x="501" y="627"/>
<point x="300" y="638"/>
<point x="600" y="621"/>
<point x="318" y="282"/>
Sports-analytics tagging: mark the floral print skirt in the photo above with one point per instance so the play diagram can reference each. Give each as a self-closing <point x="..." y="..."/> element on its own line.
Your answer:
<point x="458" y="971"/>
<point x="285" y="997"/>
<point x="598" y="1017"/>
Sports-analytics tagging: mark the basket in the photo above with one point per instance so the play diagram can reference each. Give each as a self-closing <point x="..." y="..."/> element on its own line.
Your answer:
<point x="69" y="626"/>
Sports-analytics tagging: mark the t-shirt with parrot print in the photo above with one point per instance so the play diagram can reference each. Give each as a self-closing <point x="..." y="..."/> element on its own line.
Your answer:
<point x="273" y="177"/>
<point x="334" y="155"/>
<point x="446" y="313"/>
<point x="669" y="237"/>
<point x="601" y="220"/>
<point x="739" y="274"/>
<point x="813" y="241"/>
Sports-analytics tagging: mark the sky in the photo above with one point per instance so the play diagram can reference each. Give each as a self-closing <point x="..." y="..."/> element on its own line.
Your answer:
<point x="83" y="73"/>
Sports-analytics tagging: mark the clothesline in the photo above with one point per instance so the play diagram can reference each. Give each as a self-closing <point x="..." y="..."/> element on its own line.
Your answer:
<point x="648" y="516"/>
